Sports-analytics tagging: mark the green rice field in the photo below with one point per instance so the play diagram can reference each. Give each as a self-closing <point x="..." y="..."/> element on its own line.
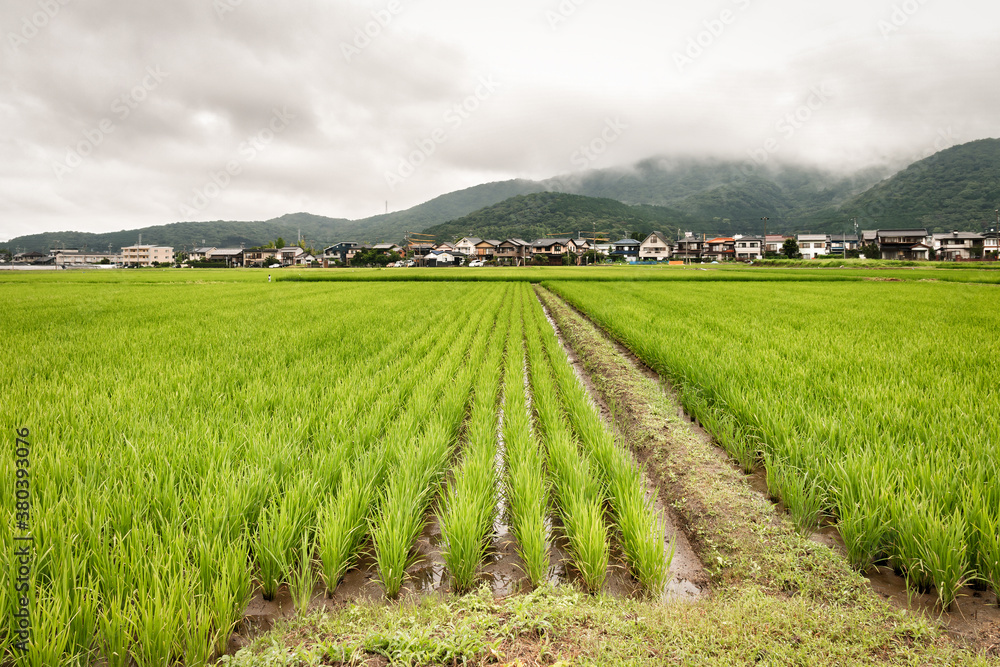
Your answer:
<point x="194" y="444"/>
<point x="184" y="442"/>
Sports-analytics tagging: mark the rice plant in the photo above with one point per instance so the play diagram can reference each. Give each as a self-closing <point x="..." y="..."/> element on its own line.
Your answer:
<point x="640" y="531"/>
<point x="303" y="578"/>
<point x="527" y="491"/>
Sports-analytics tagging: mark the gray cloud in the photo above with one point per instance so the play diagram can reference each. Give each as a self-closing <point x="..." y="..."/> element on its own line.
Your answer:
<point x="153" y="99"/>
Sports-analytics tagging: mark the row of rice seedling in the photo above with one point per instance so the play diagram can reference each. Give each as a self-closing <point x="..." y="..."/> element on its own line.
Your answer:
<point x="872" y="404"/>
<point x="640" y="530"/>
<point x="180" y="449"/>
<point x="527" y="491"/>
<point x="420" y="465"/>
<point x="344" y="519"/>
<point x="578" y="494"/>
<point x="468" y="508"/>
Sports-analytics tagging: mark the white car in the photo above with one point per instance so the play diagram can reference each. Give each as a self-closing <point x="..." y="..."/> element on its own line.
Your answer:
<point x="275" y="266"/>
<point x="477" y="262"/>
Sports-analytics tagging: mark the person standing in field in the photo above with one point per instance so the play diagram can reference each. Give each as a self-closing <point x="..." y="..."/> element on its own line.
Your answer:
<point x="269" y="277"/>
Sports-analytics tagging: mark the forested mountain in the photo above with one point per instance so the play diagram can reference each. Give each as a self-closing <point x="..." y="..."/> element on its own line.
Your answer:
<point x="958" y="188"/>
<point x="559" y="214"/>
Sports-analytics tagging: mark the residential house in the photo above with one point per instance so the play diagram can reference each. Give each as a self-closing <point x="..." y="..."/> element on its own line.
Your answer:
<point x="29" y="257"/>
<point x="199" y="254"/>
<point x="231" y="256"/>
<point x="957" y="245"/>
<point x="357" y="248"/>
<point x="903" y="243"/>
<point x="442" y="258"/>
<point x="147" y="255"/>
<point x="467" y="245"/>
<point x="991" y="244"/>
<point x="486" y="250"/>
<point x="445" y="247"/>
<point x="812" y="246"/>
<point x="628" y="249"/>
<point x="70" y="257"/>
<point x="259" y="256"/>
<point x="655" y="247"/>
<point x="553" y="249"/>
<point x="286" y="256"/>
<point x="389" y="248"/>
<point x="720" y="249"/>
<point x="337" y="252"/>
<point x="420" y="250"/>
<point x="689" y="248"/>
<point x="869" y="237"/>
<point x="773" y="243"/>
<point x="513" y="252"/>
<point x="749" y="248"/>
<point x="840" y="244"/>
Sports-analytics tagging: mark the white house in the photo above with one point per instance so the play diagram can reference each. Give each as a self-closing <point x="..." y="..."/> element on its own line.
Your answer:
<point x="957" y="245"/>
<point x="467" y="245"/>
<point x="812" y="246"/>
<point x="655" y="247"/>
<point x="749" y="247"/>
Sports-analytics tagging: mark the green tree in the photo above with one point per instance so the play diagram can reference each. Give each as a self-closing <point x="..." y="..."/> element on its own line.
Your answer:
<point x="790" y="249"/>
<point x="871" y="251"/>
<point x="279" y="243"/>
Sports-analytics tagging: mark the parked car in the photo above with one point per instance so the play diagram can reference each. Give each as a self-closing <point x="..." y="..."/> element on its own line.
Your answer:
<point x="274" y="266"/>
<point x="477" y="262"/>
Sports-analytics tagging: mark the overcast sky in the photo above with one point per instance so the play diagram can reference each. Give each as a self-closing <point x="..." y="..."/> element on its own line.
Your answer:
<point x="125" y="113"/>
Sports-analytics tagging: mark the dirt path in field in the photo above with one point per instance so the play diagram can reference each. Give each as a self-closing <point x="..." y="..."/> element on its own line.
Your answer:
<point x="688" y="580"/>
<point x="730" y="521"/>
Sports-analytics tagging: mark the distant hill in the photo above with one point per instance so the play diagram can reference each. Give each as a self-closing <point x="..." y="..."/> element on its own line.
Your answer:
<point x="727" y="193"/>
<point x="221" y="234"/>
<point x="553" y="213"/>
<point x="957" y="188"/>
<point x="317" y="230"/>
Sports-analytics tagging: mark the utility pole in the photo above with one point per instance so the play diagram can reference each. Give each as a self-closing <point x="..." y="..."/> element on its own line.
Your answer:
<point x="764" y="256"/>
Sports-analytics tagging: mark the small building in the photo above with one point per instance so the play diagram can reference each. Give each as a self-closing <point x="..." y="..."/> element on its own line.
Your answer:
<point x="720" y="249"/>
<point x="199" y="254"/>
<point x="259" y="256"/>
<point x="445" y="247"/>
<point x="29" y="257"/>
<point x="389" y="248"/>
<point x="749" y="248"/>
<point x="906" y="244"/>
<point x="627" y="249"/>
<point x="991" y="244"/>
<point x="231" y="256"/>
<point x="71" y="257"/>
<point x="655" y="247"/>
<point x="337" y="252"/>
<point x="513" y="252"/>
<point x="841" y="244"/>
<point x="147" y="255"/>
<point x="467" y="245"/>
<point x="812" y="246"/>
<point x="958" y="245"/>
<point x="689" y="248"/>
<point x="420" y="250"/>
<point x="442" y="258"/>
<point x="552" y="248"/>
<point x="288" y="255"/>
<point x="486" y="250"/>
<point x="774" y="242"/>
